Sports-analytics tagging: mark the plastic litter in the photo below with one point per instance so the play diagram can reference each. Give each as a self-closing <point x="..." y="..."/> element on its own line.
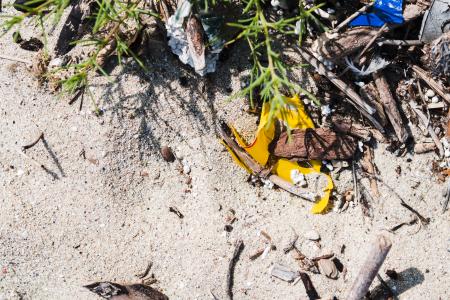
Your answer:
<point x="383" y="11"/>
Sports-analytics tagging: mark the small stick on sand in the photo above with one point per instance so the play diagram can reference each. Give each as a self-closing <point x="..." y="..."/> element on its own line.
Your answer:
<point x="230" y="275"/>
<point x="24" y="61"/>
<point x="28" y="146"/>
<point x="369" y="269"/>
<point x="309" y="287"/>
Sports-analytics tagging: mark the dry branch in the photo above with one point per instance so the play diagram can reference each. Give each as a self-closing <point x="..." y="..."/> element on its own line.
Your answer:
<point x="431" y="82"/>
<point x="377" y="254"/>
<point x="390" y="106"/>
<point x="362" y="106"/>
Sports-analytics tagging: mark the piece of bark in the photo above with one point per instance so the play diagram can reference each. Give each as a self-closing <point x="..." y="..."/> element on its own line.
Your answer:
<point x="353" y="97"/>
<point x="424" y="148"/>
<point x="367" y="165"/>
<point x="390" y="106"/>
<point x="347" y="126"/>
<point x="230" y="274"/>
<point x="320" y="143"/>
<point x="377" y="254"/>
<point x="258" y="170"/>
<point x="370" y="94"/>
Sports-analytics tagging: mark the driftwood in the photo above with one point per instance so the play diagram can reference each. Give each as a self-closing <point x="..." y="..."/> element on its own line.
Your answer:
<point x="430" y="129"/>
<point x="369" y="93"/>
<point x="362" y="106"/>
<point x="367" y="165"/>
<point x="377" y="254"/>
<point x="230" y="274"/>
<point x="424" y="148"/>
<point x="309" y="287"/>
<point x="320" y="143"/>
<point x="258" y="170"/>
<point x="390" y="106"/>
<point x="431" y="82"/>
<point x="348" y="126"/>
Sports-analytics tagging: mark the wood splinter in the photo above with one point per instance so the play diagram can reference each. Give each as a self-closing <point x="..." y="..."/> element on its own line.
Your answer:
<point x="230" y="274"/>
<point x="32" y="144"/>
<point x="390" y="106"/>
<point x="377" y="254"/>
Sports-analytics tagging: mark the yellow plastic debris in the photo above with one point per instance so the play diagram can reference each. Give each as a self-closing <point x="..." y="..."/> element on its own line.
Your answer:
<point x="295" y="117"/>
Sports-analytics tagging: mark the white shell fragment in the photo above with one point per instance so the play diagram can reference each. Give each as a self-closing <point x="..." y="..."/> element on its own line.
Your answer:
<point x="283" y="273"/>
<point x="430" y="93"/>
<point x="298" y="178"/>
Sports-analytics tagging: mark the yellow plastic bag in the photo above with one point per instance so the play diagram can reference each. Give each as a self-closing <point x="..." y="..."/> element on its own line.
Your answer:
<point x="295" y="117"/>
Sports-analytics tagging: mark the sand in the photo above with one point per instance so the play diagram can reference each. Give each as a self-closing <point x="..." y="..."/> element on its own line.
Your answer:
<point x="101" y="211"/>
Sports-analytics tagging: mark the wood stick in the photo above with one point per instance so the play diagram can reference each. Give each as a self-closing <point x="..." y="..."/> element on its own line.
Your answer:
<point x="15" y="59"/>
<point x="230" y="274"/>
<point x="431" y="82"/>
<point x="390" y="106"/>
<point x="309" y="287"/>
<point x="30" y="145"/>
<point x="382" y="30"/>
<point x="367" y="165"/>
<point x="347" y="126"/>
<point x="424" y="147"/>
<point x="430" y="129"/>
<point x="369" y="93"/>
<point x="377" y="254"/>
<point x="400" y="42"/>
<point x="258" y="170"/>
<point x="362" y="106"/>
<point x="352" y="16"/>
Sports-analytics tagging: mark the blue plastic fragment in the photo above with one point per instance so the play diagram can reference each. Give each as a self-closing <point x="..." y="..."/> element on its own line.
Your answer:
<point x="383" y="11"/>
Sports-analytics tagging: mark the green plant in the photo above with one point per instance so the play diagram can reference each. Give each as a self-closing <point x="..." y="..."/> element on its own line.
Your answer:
<point x="116" y="22"/>
<point x="269" y="74"/>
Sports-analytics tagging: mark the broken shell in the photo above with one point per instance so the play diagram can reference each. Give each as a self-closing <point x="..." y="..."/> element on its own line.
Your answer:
<point x="167" y="154"/>
<point x="283" y="273"/>
<point x="328" y="268"/>
<point x="312" y="235"/>
<point x="430" y="93"/>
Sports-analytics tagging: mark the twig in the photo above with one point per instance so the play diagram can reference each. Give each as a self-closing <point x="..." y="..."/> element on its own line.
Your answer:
<point x="352" y="16"/>
<point x="390" y="106"/>
<point x="431" y="82"/>
<point x="410" y="222"/>
<point x="367" y="165"/>
<point x="424" y="220"/>
<point x="365" y="109"/>
<point x="258" y="170"/>
<point x="355" y="182"/>
<point x="400" y="42"/>
<point x="382" y="30"/>
<point x="230" y="275"/>
<point x="28" y="146"/>
<point x="309" y="287"/>
<point x="386" y="287"/>
<point x="146" y="271"/>
<point x="176" y="211"/>
<point x="377" y="254"/>
<point x="15" y="59"/>
<point x="430" y="129"/>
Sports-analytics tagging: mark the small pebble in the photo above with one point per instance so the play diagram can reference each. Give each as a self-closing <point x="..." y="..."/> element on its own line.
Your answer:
<point x="167" y="154"/>
<point x="186" y="169"/>
<point x="430" y="93"/>
<point x="312" y="235"/>
<point x="435" y="99"/>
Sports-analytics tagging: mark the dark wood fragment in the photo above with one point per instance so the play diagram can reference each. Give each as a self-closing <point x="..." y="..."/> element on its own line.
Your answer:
<point x="230" y="275"/>
<point x="390" y="106"/>
<point x="320" y="143"/>
<point x="309" y="287"/>
<point x="348" y="126"/>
